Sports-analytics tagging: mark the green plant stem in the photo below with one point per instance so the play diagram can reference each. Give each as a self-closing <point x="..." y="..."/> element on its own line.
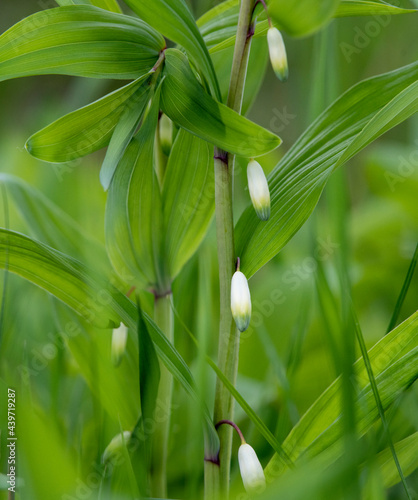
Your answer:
<point x="228" y="350"/>
<point x="163" y="317"/>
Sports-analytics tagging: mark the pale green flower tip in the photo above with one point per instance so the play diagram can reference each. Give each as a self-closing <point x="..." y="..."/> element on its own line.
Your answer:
<point x="116" y="445"/>
<point x="166" y="134"/>
<point x="119" y="339"/>
<point x="240" y="301"/>
<point x="277" y="51"/>
<point x="259" y="190"/>
<point x="251" y="470"/>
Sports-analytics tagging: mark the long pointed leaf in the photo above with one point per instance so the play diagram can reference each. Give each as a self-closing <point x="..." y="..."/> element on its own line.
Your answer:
<point x="85" y="130"/>
<point x="360" y="115"/>
<point x="188" y="198"/>
<point x="393" y="360"/>
<point x="174" y="20"/>
<point x="79" y="40"/>
<point x="186" y="103"/>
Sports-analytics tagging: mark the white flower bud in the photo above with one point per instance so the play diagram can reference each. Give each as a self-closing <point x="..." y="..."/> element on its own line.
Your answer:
<point x="240" y="301"/>
<point x="119" y="339"/>
<point x="251" y="470"/>
<point x="116" y="445"/>
<point x="277" y="52"/>
<point x="259" y="189"/>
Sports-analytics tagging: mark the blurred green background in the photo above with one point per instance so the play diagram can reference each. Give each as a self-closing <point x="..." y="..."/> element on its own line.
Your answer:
<point x="68" y="392"/>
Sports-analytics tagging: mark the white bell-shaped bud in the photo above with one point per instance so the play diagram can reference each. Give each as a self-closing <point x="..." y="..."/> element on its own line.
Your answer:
<point x="119" y="339"/>
<point x="240" y="301"/>
<point x="277" y="52"/>
<point x="251" y="470"/>
<point x="116" y="445"/>
<point x="259" y="189"/>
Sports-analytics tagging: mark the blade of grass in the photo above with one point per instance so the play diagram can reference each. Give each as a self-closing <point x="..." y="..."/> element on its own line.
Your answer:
<point x="404" y="291"/>
<point x="373" y="384"/>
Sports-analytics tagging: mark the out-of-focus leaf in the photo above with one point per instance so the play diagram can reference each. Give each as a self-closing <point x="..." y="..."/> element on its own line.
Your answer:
<point x="123" y="133"/>
<point x="97" y="301"/>
<point x="174" y="20"/>
<point x="188" y="198"/>
<point x="368" y="8"/>
<point x="41" y="444"/>
<point x="91" y="349"/>
<point x="87" y="129"/>
<point x="186" y="103"/>
<point x="60" y="275"/>
<point x="133" y="210"/>
<point x="302" y="17"/>
<point x="360" y="115"/>
<point x="393" y="360"/>
<point x="406" y="450"/>
<point x="49" y="224"/>
<point x="79" y="40"/>
<point x="111" y="5"/>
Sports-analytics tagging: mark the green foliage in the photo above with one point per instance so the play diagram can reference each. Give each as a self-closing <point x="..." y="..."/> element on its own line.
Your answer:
<point x="81" y="41"/>
<point x="355" y="119"/>
<point x="173" y="19"/>
<point x="293" y="17"/>
<point x="185" y="102"/>
<point x="158" y="210"/>
<point x="90" y="128"/>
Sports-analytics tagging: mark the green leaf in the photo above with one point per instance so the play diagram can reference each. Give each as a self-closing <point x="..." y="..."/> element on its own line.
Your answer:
<point x="407" y="454"/>
<point x="124" y="131"/>
<point x="368" y="8"/>
<point x="187" y="104"/>
<point x="355" y="119"/>
<point x="134" y="213"/>
<point x="64" y="277"/>
<point x="91" y="349"/>
<point x="393" y="360"/>
<point x="79" y="40"/>
<point x="405" y="287"/>
<point x="188" y="198"/>
<point x="49" y="224"/>
<point x="174" y="20"/>
<point x="302" y="17"/>
<point x="111" y="5"/>
<point x="87" y="129"/>
<point x="93" y="298"/>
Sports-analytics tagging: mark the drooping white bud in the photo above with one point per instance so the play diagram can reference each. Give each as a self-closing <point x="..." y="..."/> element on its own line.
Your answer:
<point x="119" y="339"/>
<point x="251" y="470"/>
<point x="259" y="189"/>
<point x="277" y="52"/>
<point x="240" y="301"/>
<point x="115" y="445"/>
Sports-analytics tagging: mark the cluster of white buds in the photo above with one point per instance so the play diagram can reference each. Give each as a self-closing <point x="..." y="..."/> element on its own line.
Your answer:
<point x="119" y="339"/>
<point x="259" y="189"/>
<point x="116" y="445"/>
<point x="277" y="51"/>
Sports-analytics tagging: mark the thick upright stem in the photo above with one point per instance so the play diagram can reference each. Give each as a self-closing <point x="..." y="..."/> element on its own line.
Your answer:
<point x="228" y="352"/>
<point x="163" y="316"/>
